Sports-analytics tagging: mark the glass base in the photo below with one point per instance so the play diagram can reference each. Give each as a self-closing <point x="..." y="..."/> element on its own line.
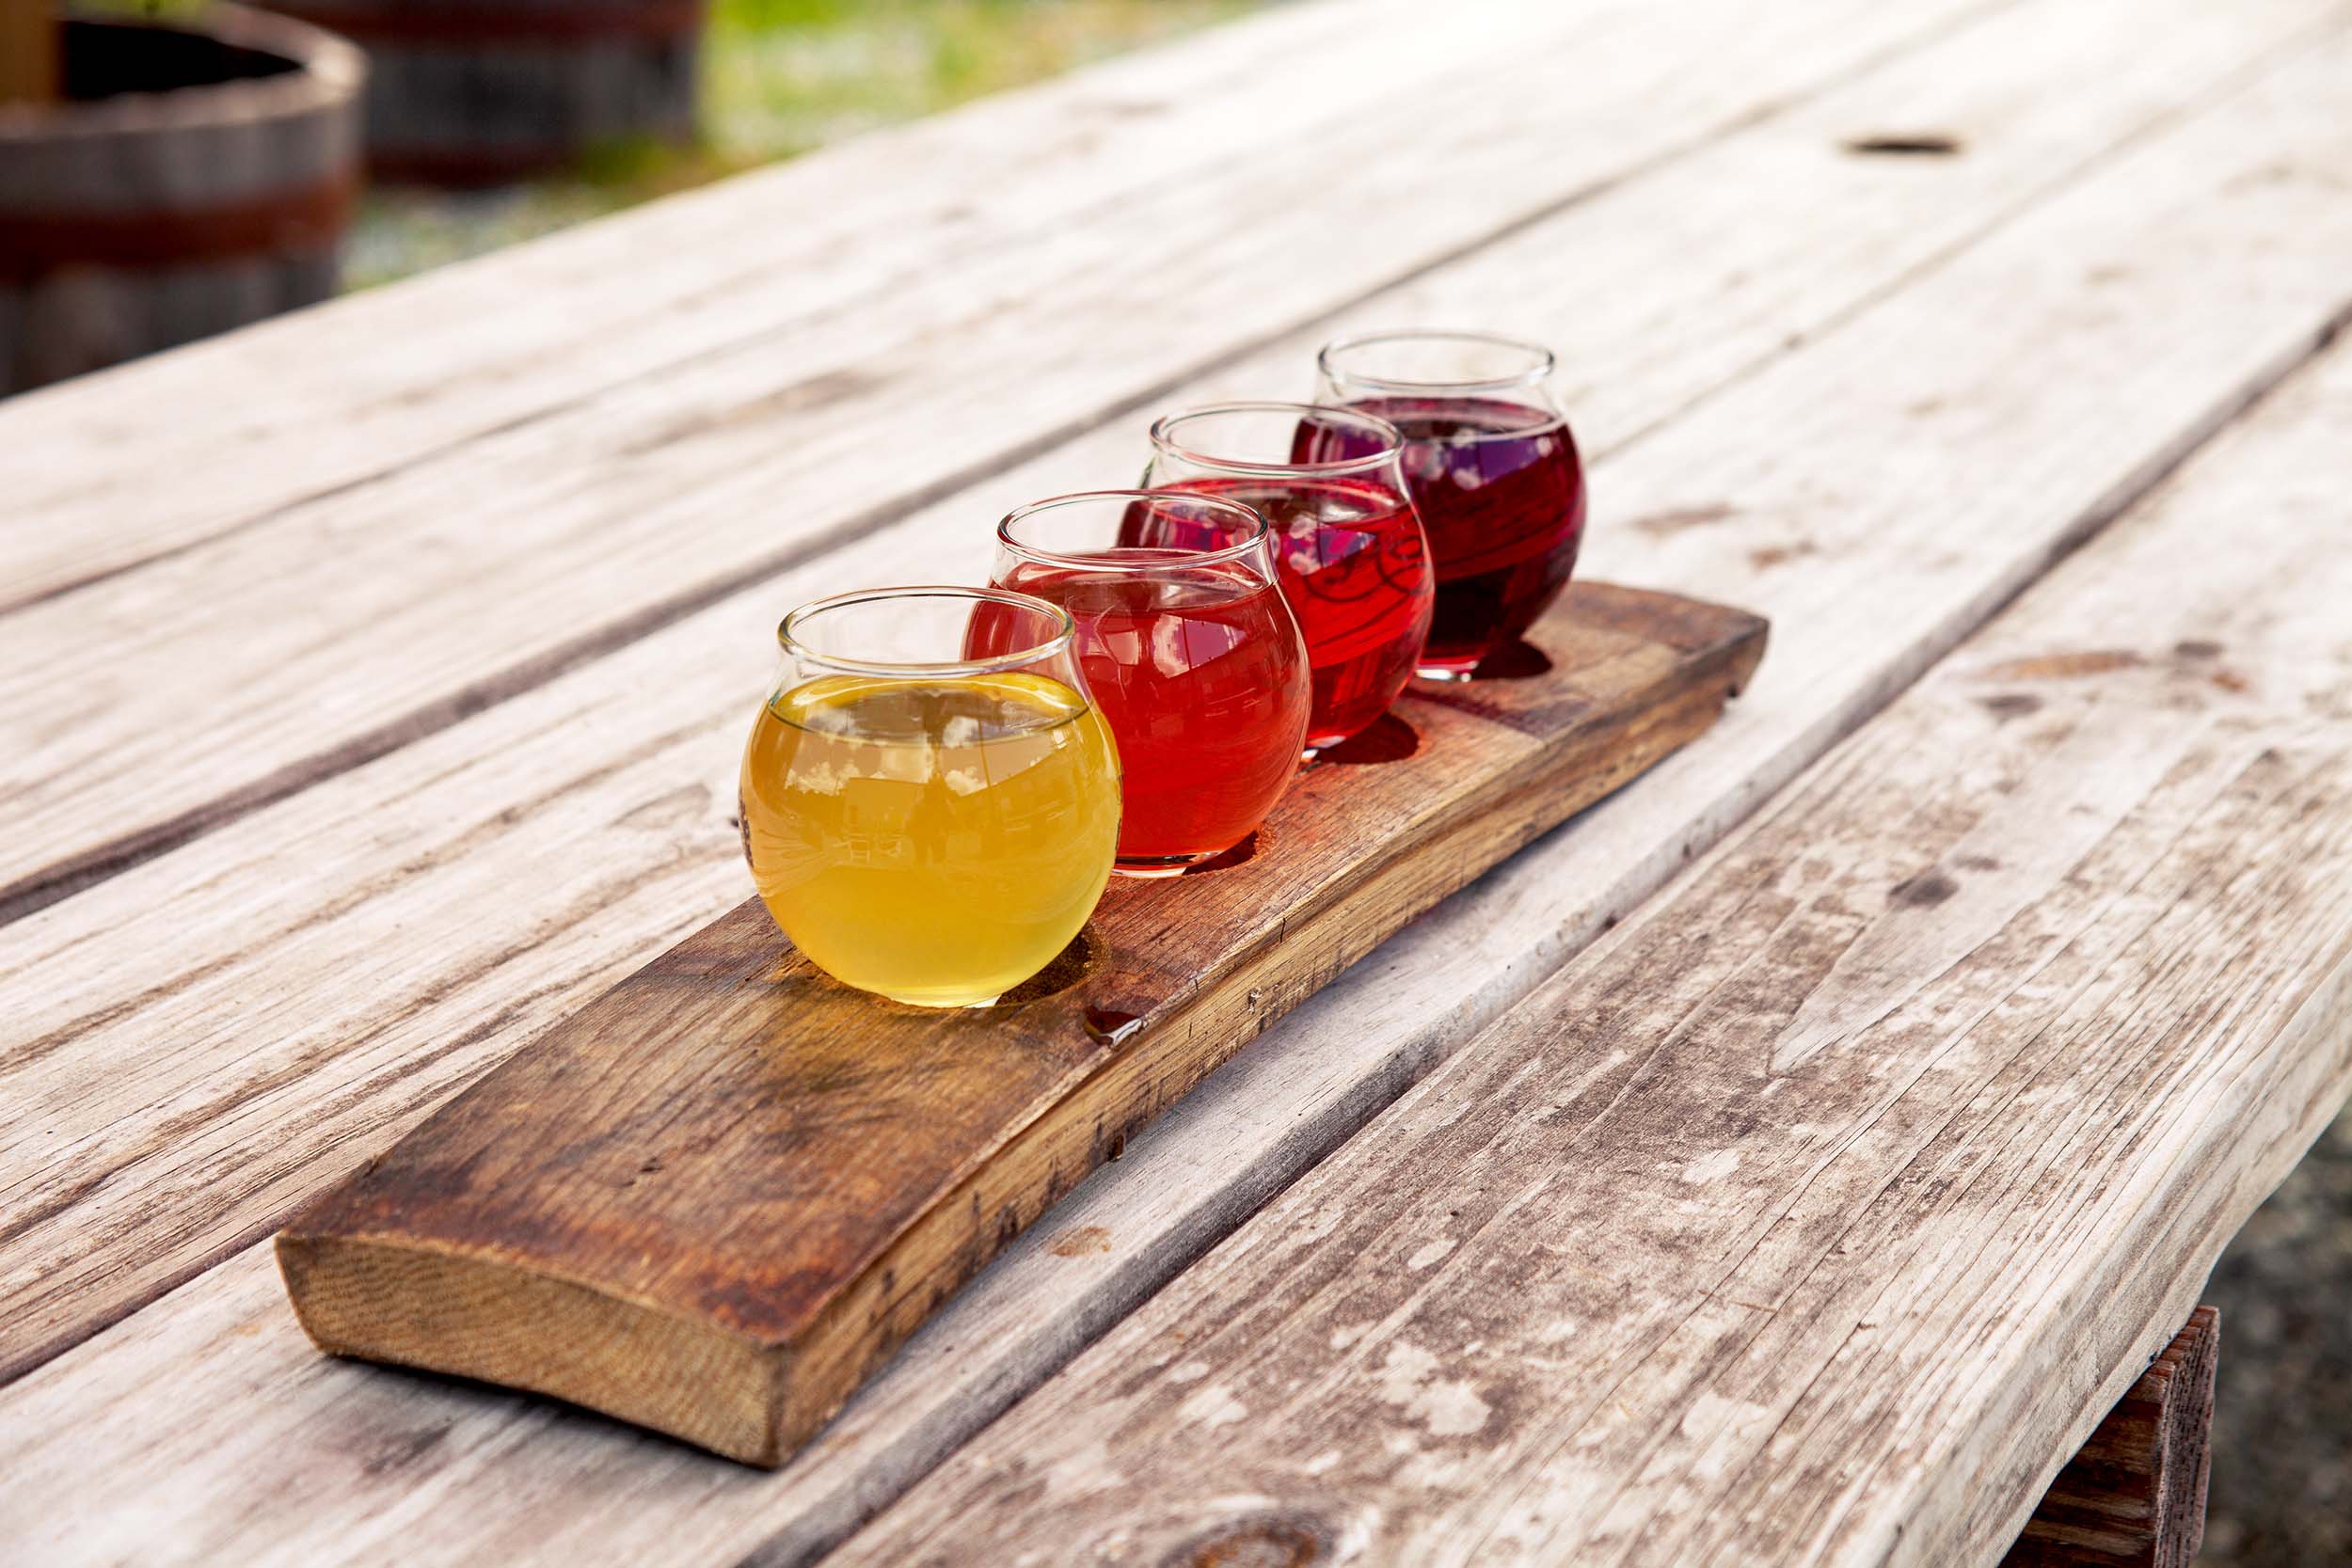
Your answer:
<point x="935" y="1006"/>
<point x="1147" y="869"/>
<point x="1446" y="672"/>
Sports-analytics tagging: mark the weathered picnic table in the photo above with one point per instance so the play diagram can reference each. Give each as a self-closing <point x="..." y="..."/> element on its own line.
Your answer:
<point x="1789" y="1161"/>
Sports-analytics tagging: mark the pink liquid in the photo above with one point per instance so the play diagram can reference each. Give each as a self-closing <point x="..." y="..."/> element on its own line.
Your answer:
<point x="1200" y="672"/>
<point x="1355" y="573"/>
<point x="1500" y="493"/>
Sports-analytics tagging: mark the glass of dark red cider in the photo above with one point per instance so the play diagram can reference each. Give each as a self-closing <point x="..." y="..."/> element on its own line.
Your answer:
<point x="1492" y="467"/>
<point x="1354" y="567"/>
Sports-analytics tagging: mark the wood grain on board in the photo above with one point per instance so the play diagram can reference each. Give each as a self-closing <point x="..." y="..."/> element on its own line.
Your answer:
<point x="2135" y="1496"/>
<point x="714" y="1200"/>
<point x="468" y="889"/>
<point x="1988" y="1034"/>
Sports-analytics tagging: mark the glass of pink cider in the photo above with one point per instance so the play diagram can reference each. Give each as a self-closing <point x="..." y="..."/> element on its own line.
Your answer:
<point x="1347" y="543"/>
<point x="1492" y="469"/>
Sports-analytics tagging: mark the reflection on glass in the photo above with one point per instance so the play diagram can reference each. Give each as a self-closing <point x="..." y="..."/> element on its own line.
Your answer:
<point x="924" y="825"/>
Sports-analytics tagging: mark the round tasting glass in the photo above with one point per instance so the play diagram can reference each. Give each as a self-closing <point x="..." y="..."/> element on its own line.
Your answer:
<point x="1492" y="467"/>
<point x="1189" y="648"/>
<point x="927" y="825"/>
<point x="1353" y="563"/>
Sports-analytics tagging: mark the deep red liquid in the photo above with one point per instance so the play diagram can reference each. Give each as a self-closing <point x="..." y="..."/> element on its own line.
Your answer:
<point x="1355" y="573"/>
<point x="1200" y="674"/>
<point x="1500" y="493"/>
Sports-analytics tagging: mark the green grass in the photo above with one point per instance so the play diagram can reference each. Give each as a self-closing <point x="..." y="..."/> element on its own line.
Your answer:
<point x="779" y="78"/>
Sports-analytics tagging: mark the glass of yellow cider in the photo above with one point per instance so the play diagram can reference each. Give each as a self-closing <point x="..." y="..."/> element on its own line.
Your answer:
<point x="923" y="825"/>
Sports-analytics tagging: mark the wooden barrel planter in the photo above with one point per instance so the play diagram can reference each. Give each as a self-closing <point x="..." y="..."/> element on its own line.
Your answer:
<point x="474" y="93"/>
<point x="185" y="180"/>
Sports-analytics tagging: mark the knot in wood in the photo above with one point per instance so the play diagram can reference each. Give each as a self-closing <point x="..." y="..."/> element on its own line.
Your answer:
<point x="1259" y="1543"/>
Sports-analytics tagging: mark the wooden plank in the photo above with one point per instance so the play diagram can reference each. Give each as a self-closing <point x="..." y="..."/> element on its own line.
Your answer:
<point x="2135" y="1496"/>
<point x="30" y="60"/>
<point x="486" y="570"/>
<point x="776" y="1180"/>
<point x="333" y="1010"/>
<point x="263" y="1085"/>
<point x="1988" y="1036"/>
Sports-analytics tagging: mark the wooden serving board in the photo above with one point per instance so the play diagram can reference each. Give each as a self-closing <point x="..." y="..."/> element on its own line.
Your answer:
<point x="716" y="1198"/>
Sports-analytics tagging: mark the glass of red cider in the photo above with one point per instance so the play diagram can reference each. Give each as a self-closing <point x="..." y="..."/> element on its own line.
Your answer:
<point x="1347" y="544"/>
<point x="1492" y="469"/>
<point x="1192" y="655"/>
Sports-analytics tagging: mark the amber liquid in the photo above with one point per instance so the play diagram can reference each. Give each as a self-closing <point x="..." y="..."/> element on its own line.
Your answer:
<point x="935" y="840"/>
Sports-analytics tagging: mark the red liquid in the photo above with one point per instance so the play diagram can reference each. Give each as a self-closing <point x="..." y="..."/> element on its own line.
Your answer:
<point x="1501" y="492"/>
<point x="1355" y="573"/>
<point x="1200" y="674"/>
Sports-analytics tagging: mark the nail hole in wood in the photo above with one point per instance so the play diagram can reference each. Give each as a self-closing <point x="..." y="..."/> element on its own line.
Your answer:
<point x="2010" y="705"/>
<point x="1925" y="144"/>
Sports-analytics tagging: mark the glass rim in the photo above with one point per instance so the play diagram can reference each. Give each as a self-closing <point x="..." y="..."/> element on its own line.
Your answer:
<point x="1260" y="531"/>
<point x="797" y="647"/>
<point x="1391" y="439"/>
<point x="1542" y="361"/>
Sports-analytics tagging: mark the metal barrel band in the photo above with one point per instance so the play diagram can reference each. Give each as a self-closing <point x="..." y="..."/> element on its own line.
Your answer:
<point x="304" y="218"/>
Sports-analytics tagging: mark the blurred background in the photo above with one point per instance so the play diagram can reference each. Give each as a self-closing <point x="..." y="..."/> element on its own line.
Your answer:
<point x="169" y="169"/>
<point x="780" y="77"/>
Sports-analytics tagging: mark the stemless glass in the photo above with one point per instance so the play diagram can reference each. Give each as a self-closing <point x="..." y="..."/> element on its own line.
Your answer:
<point x="1188" y="647"/>
<point x="1354" y="567"/>
<point x="1492" y="469"/>
<point x="923" y="824"/>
